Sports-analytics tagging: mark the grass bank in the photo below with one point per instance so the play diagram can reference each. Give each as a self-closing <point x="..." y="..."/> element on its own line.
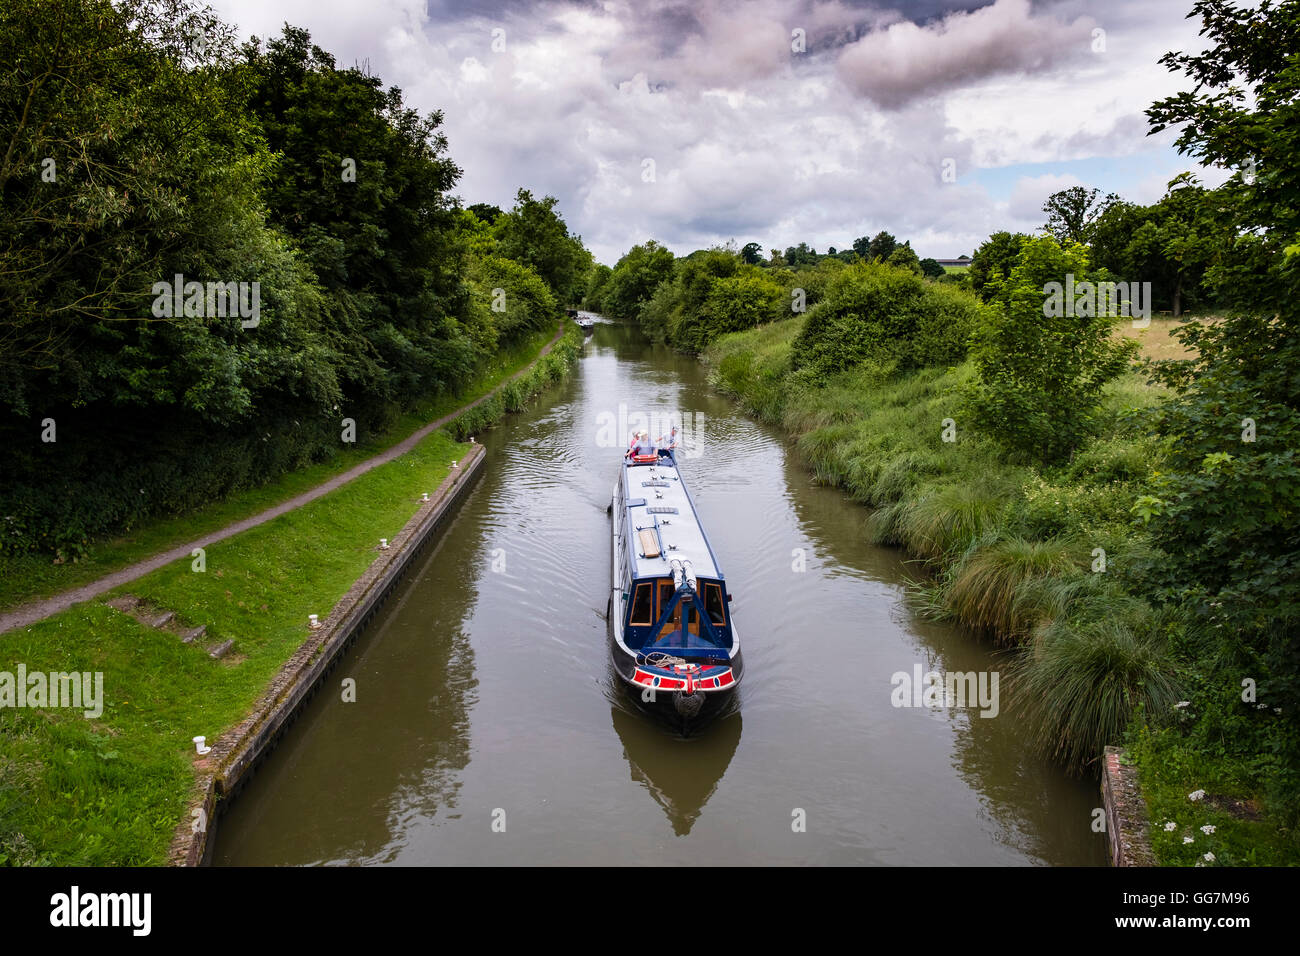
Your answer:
<point x="110" y="790"/>
<point x="31" y="576"/>
<point x="1043" y="561"/>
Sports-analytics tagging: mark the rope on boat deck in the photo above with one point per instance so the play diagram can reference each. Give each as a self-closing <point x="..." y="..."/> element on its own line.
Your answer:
<point x="661" y="659"/>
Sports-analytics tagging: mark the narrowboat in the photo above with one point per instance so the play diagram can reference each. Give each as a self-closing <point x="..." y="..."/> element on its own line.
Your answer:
<point x="586" y="323"/>
<point x="671" y="633"/>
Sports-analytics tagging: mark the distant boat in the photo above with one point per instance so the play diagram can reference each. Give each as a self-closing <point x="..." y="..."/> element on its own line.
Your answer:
<point x="671" y="634"/>
<point x="586" y="323"/>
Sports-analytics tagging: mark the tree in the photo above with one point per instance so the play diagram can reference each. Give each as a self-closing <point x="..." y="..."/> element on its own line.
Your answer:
<point x="1040" y="370"/>
<point x="882" y="247"/>
<point x="1071" y="213"/>
<point x="739" y="302"/>
<point x="155" y="167"/>
<point x="931" y="268"/>
<point x="597" y="287"/>
<point x="1177" y="242"/>
<point x="1112" y="232"/>
<point x="994" y="259"/>
<point x="800" y="255"/>
<point x="534" y="234"/>
<point x="363" y="186"/>
<point x="635" y="278"/>
<point x="1224" y="513"/>
<point x="752" y="253"/>
<point x="487" y="212"/>
<point x="903" y="257"/>
<point x="862" y="246"/>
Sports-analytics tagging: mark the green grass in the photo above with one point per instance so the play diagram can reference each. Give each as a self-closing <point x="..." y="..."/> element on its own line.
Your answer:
<point x="111" y="791"/>
<point x="29" y="577"/>
<point x="1170" y="772"/>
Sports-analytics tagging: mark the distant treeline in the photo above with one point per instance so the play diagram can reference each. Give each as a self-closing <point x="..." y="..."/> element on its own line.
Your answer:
<point x="1171" y="244"/>
<point x="144" y="153"/>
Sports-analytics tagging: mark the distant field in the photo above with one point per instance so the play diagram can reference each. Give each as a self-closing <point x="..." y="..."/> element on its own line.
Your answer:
<point x="1157" y="340"/>
<point x="956" y="270"/>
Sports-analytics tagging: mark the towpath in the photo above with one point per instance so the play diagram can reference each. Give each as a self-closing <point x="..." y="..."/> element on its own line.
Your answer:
<point x="24" y="614"/>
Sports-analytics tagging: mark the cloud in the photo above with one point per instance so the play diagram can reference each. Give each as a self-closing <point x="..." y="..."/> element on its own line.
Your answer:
<point x="1030" y="192"/>
<point x="904" y="61"/>
<point x="750" y="139"/>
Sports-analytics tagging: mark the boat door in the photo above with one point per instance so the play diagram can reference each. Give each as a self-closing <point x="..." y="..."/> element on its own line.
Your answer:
<point x="672" y="622"/>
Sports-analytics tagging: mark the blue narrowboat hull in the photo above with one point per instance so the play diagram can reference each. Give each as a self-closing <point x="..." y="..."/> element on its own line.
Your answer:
<point x="677" y="650"/>
<point x="666" y="703"/>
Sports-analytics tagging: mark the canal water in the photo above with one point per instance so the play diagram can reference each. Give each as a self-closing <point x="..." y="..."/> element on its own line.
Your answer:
<point x="488" y="726"/>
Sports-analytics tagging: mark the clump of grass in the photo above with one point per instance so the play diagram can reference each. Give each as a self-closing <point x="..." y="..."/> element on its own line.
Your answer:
<point x="947" y="518"/>
<point x="884" y="524"/>
<point x="897" y="476"/>
<point x="1078" y="685"/>
<point x="991" y="587"/>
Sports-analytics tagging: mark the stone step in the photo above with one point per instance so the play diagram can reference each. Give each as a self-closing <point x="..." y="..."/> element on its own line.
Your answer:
<point x="193" y="634"/>
<point x="221" y="650"/>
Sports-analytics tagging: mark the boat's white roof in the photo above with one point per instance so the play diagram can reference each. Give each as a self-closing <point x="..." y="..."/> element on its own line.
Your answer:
<point x="679" y="530"/>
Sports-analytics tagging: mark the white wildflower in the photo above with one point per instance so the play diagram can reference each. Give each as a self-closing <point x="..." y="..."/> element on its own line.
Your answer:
<point x="1170" y="825"/>
<point x="1196" y="795"/>
<point x="1207" y="829"/>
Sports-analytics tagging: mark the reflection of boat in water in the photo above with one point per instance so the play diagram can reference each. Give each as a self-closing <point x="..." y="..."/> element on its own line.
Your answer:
<point x="680" y="774"/>
<point x="671" y="633"/>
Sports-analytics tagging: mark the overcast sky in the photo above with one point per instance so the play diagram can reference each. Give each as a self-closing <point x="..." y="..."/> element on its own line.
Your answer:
<point x="695" y="123"/>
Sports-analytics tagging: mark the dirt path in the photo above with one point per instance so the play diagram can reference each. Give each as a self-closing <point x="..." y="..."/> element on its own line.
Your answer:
<point x="25" y="614"/>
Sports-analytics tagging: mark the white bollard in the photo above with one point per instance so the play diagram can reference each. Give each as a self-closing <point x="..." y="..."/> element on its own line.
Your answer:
<point x="383" y="544"/>
<point x="200" y="744"/>
<point x="425" y="496"/>
<point x="313" y="621"/>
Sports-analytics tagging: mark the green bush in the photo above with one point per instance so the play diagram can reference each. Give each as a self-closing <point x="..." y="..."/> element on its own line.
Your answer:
<point x="891" y="316"/>
<point x="1040" y="375"/>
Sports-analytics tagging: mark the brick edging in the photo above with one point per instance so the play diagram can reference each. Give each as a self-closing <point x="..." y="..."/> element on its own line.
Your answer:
<point x="1127" y="829"/>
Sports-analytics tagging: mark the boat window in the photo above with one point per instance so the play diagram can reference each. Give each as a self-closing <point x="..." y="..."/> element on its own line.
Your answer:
<point x="713" y="603"/>
<point x="641" y="606"/>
